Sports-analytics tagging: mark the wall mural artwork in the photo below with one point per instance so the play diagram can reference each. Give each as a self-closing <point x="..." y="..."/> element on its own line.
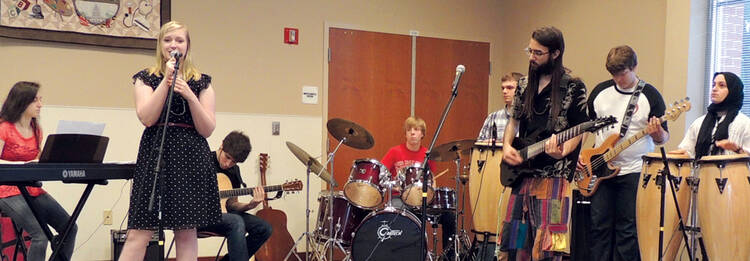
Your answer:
<point x="117" y="23"/>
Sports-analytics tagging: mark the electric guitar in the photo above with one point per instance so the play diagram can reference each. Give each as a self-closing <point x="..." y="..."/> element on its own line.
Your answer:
<point x="509" y="174"/>
<point x="226" y="191"/>
<point x="595" y="160"/>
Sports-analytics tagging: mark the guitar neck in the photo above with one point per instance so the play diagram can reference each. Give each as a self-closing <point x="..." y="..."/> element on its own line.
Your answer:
<point x="612" y="153"/>
<point x="246" y="191"/>
<point x="538" y="148"/>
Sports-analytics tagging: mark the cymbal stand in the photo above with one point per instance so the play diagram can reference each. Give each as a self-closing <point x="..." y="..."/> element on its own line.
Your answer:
<point x="333" y="185"/>
<point x="460" y="235"/>
<point x="307" y="235"/>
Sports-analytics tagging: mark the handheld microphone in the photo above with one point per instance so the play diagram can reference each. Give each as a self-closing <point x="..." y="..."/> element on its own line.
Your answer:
<point x="460" y="69"/>
<point x="175" y="54"/>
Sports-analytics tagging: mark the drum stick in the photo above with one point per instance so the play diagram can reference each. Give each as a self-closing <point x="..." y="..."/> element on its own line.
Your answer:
<point x="441" y="173"/>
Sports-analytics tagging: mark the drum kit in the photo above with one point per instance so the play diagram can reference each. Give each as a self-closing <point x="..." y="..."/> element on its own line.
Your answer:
<point x="360" y="221"/>
<point x="713" y="198"/>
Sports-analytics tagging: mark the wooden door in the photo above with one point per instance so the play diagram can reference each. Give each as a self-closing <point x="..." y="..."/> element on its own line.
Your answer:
<point x="369" y="83"/>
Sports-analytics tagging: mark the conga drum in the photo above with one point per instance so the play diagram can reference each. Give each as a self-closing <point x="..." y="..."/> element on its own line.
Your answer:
<point x="485" y="189"/>
<point x="648" y="205"/>
<point x="724" y="206"/>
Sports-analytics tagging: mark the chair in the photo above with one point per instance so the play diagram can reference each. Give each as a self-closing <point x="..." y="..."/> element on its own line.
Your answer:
<point x="19" y="244"/>
<point x="203" y="234"/>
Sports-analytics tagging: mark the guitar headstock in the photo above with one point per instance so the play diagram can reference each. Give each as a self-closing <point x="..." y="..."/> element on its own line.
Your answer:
<point x="599" y="123"/>
<point x="677" y="108"/>
<point x="295" y="185"/>
<point x="263" y="162"/>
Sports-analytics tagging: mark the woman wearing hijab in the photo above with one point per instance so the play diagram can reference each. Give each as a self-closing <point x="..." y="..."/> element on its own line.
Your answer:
<point x="724" y="129"/>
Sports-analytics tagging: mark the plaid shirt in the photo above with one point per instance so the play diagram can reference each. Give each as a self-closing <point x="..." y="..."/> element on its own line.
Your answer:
<point x="500" y="118"/>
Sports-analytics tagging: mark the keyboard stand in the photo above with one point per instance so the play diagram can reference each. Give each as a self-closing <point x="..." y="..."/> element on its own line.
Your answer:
<point x="56" y="246"/>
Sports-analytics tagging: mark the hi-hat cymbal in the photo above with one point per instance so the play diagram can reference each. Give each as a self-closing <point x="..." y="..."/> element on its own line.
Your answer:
<point x="356" y="136"/>
<point x="314" y="164"/>
<point x="450" y="151"/>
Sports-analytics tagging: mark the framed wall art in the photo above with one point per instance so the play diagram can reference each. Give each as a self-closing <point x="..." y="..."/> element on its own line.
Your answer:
<point x="115" y="23"/>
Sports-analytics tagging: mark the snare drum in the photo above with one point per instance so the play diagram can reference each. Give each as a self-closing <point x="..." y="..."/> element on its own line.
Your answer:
<point x="412" y="192"/>
<point x="363" y="187"/>
<point x="724" y="206"/>
<point x="346" y="217"/>
<point x="444" y="201"/>
<point x="648" y="205"/>
<point x="389" y="235"/>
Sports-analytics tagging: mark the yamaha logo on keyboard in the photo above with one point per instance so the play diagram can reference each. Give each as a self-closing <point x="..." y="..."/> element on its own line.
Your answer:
<point x="74" y="173"/>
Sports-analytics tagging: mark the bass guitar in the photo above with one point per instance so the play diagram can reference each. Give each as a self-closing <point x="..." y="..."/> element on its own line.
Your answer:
<point x="596" y="160"/>
<point x="509" y="174"/>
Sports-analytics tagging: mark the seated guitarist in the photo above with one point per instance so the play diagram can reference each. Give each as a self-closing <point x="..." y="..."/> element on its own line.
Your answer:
<point x="613" y="229"/>
<point x="245" y="232"/>
<point x="547" y="101"/>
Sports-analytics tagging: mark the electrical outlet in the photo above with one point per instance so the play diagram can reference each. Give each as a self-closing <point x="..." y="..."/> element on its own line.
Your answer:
<point x="275" y="128"/>
<point x="107" y="217"/>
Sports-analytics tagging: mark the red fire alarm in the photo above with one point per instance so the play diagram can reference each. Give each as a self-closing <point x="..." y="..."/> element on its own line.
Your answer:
<point x="291" y="35"/>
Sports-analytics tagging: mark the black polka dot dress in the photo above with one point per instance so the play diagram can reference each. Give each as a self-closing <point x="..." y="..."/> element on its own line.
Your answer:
<point x="191" y="197"/>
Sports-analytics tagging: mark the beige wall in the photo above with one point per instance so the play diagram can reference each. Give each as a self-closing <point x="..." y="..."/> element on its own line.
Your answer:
<point x="240" y="44"/>
<point x="258" y="79"/>
<point x="657" y="30"/>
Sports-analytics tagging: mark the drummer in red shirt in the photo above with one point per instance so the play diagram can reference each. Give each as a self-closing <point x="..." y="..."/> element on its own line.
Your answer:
<point x="411" y="153"/>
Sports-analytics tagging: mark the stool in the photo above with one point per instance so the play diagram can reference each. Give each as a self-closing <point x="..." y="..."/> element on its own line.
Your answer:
<point x="204" y="234"/>
<point x="19" y="244"/>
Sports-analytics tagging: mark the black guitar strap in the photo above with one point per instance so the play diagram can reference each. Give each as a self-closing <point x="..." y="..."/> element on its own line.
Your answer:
<point x="631" y="108"/>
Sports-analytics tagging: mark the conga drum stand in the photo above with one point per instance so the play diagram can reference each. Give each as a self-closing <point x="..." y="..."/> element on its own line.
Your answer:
<point x="661" y="181"/>
<point x="694" y="229"/>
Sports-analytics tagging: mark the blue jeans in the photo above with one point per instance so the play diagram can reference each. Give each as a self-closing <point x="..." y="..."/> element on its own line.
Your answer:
<point x="52" y="213"/>
<point x="235" y="226"/>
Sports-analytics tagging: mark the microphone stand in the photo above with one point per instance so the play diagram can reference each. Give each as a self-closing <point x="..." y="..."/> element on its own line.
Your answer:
<point x="159" y="163"/>
<point x="425" y="165"/>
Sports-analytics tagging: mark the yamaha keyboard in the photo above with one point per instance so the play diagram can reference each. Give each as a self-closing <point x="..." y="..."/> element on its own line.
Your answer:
<point x="91" y="174"/>
<point x="65" y="172"/>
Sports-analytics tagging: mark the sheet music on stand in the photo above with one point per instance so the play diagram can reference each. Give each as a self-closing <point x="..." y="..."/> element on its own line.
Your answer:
<point x="80" y="127"/>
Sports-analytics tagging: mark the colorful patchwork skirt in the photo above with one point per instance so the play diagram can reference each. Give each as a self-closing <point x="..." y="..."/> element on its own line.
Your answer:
<point x="536" y="225"/>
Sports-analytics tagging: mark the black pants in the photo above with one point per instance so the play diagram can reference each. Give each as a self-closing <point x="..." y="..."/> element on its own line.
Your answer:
<point x="613" y="231"/>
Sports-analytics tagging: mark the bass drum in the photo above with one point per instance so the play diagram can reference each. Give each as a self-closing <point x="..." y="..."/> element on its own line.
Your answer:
<point x="389" y="235"/>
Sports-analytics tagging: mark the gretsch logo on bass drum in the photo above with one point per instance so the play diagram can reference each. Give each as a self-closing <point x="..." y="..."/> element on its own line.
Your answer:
<point x="385" y="232"/>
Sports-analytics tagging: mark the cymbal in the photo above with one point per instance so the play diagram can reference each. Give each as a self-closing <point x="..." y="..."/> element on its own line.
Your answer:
<point x="314" y="164"/>
<point x="449" y="151"/>
<point x="356" y="136"/>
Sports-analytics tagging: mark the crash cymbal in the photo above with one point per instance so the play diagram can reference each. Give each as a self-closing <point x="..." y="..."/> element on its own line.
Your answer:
<point x="449" y="151"/>
<point x="356" y="136"/>
<point x="314" y="164"/>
